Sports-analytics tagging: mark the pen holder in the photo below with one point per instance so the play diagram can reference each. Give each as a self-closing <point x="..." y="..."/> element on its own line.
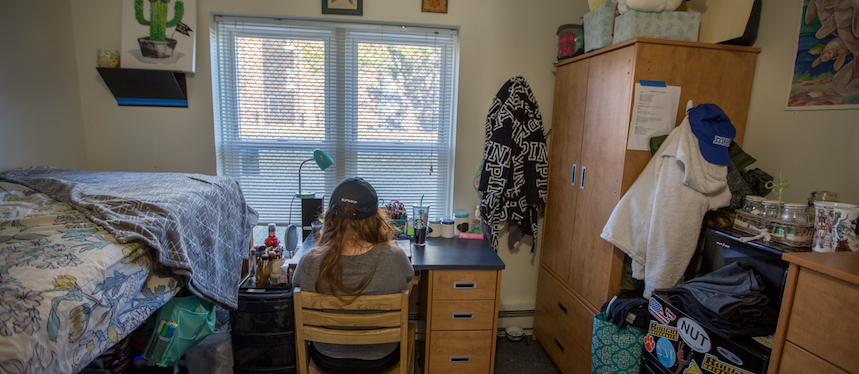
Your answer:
<point x="400" y="226"/>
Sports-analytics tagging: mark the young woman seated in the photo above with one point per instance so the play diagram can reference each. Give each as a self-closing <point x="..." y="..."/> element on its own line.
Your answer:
<point x="354" y="255"/>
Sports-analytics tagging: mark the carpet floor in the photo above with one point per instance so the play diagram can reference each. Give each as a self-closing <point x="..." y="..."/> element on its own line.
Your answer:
<point x="524" y="356"/>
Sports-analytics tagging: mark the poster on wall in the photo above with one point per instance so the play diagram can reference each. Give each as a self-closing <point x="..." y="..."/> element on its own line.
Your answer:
<point x="159" y="34"/>
<point x="825" y="72"/>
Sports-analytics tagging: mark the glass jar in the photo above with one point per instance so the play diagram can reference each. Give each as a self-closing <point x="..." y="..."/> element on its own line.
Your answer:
<point x="570" y="41"/>
<point x="795" y="213"/>
<point x="771" y="209"/>
<point x="753" y="204"/>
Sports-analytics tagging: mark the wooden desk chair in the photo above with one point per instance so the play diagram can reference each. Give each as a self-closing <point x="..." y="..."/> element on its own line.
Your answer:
<point x="390" y="326"/>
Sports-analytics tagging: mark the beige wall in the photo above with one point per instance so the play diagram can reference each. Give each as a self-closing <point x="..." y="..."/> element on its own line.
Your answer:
<point x="499" y="39"/>
<point x="40" y="108"/>
<point x="816" y="150"/>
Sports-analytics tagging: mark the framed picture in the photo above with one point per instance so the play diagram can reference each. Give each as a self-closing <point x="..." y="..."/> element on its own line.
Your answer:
<point x="346" y="7"/>
<point x="434" y="6"/>
<point x="825" y="70"/>
<point x="159" y="35"/>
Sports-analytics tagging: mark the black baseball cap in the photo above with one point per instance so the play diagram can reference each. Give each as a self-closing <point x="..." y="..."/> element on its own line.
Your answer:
<point x="354" y="192"/>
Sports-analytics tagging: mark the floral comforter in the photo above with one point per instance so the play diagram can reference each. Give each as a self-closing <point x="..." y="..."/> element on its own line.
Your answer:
<point x="68" y="290"/>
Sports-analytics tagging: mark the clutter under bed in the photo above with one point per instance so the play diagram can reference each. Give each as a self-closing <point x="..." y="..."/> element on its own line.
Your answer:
<point x="86" y="257"/>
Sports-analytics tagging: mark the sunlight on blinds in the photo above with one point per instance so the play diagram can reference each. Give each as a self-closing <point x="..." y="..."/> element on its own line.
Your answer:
<point x="378" y="98"/>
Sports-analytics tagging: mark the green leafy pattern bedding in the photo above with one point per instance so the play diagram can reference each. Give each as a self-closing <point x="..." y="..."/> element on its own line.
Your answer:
<point x="68" y="290"/>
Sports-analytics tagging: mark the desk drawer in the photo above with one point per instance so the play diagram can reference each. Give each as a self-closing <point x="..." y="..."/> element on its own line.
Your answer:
<point x="820" y="318"/>
<point x="463" y="315"/>
<point x="464" y="284"/>
<point x="464" y="352"/>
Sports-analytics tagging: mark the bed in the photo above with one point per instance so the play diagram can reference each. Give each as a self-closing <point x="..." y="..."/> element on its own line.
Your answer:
<point x="86" y="257"/>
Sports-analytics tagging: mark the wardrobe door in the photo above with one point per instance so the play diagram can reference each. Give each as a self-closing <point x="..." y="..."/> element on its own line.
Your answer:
<point x="571" y="84"/>
<point x="595" y="265"/>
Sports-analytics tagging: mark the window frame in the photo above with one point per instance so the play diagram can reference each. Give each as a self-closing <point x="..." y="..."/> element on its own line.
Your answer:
<point x="334" y="110"/>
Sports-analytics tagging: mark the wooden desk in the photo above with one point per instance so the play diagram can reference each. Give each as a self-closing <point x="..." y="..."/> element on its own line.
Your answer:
<point x="459" y="290"/>
<point x="816" y="332"/>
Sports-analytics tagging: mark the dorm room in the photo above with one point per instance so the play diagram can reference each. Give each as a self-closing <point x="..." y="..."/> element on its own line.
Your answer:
<point x="59" y="112"/>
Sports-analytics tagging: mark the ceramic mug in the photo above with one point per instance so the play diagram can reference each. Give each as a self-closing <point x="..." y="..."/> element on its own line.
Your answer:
<point x="823" y="226"/>
<point x="845" y="231"/>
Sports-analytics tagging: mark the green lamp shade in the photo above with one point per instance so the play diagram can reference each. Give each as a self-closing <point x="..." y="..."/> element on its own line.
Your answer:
<point x="322" y="159"/>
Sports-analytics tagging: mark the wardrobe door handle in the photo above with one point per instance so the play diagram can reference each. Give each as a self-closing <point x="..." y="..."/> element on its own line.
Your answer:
<point x="563" y="308"/>
<point x="573" y="182"/>
<point x="584" y="170"/>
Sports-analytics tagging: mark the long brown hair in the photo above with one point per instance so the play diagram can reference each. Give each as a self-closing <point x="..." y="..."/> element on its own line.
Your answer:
<point x="339" y="233"/>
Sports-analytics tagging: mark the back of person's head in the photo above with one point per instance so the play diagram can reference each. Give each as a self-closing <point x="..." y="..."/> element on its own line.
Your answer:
<point x="353" y="218"/>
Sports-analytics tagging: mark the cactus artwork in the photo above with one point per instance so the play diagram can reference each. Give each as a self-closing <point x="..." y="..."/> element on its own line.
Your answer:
<point x="158" y="17"/>
<point x="158" y="45"/>
<point x="159" y="34"/>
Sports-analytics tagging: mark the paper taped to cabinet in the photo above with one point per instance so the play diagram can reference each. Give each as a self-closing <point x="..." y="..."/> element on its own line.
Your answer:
<point x="654" y="113"/>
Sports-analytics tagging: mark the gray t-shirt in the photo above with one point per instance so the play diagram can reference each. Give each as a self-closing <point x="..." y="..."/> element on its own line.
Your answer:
<point x="393" y="273"/>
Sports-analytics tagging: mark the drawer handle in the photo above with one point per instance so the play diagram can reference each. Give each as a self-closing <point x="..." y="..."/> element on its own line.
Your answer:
<point x="723" y="245"/>
<point x="462" y="316"/>
<point x="464" y="285"/>
<point x="563" y="308"/>
<point x="584" y="170"/>
<point x="460" y="358"/>
<point x="559" y="345"/>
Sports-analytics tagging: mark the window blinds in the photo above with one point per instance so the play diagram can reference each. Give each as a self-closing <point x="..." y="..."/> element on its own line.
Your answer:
<point x="378" y="98"/>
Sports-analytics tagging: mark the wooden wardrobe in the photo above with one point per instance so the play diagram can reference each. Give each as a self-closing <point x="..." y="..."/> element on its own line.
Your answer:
<point x="590" y="169"/>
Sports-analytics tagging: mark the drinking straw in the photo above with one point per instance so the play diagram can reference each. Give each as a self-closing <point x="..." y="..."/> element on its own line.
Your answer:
<point x="422" y="200"/>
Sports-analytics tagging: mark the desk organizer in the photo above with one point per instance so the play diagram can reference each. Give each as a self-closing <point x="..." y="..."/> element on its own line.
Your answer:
<point x="400" y="226"/>
<point x="787" y="233"/>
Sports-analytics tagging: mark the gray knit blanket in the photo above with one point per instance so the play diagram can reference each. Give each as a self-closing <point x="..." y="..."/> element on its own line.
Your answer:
<point x="197" y="224"/>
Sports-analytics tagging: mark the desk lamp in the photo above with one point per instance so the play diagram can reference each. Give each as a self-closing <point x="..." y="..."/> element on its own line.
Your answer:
<point x="323" y="160"/>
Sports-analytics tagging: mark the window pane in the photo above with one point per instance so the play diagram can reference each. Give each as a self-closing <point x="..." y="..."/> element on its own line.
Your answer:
<point x="280" y="86"/>
<point x="398" y="92"/>
<point x="378" y="99"/>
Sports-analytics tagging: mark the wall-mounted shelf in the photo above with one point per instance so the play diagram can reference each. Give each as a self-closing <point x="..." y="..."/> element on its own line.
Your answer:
<point x="141" y="87"/>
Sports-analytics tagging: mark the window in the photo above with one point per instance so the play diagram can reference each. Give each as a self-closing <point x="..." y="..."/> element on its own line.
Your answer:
<point x="377" y="98"/>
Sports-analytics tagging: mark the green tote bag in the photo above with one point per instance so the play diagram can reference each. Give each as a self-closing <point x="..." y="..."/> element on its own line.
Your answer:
<point x="614" y="350"/>
<point x="194" y="319"/>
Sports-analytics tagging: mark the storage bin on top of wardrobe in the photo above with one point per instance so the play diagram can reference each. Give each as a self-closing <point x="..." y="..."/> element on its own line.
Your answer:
<point x="590" y="169"/>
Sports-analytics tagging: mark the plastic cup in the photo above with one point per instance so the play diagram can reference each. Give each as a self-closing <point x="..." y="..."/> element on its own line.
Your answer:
<point x="420" y="215"/>
<point x="420" y="236"/>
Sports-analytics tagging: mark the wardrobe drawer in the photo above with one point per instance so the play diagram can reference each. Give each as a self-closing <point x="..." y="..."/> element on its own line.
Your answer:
<point x="796" y="360"/>
<point x="460" y="351"/>
<point x="820" y="303"/>
<point x="572" y="316"/>
<point x="567" y="355"/>
<point x="463" y="314"/>
<point x="464" y="284"/>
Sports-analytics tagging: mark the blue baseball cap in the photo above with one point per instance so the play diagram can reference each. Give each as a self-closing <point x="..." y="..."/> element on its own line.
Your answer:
<point x="714" y="131"/>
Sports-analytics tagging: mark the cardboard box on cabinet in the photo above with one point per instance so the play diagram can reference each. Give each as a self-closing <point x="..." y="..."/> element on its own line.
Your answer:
<point x="662" y="25"/>
<point x="599" y="24"/>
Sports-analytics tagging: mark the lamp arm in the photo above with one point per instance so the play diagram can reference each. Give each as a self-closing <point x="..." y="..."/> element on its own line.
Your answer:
<point x="299" y="174"/>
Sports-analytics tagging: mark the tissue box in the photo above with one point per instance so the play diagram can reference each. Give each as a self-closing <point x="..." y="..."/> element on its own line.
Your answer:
<point x="662" y="25"/>
<point x="598" y="25"/>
